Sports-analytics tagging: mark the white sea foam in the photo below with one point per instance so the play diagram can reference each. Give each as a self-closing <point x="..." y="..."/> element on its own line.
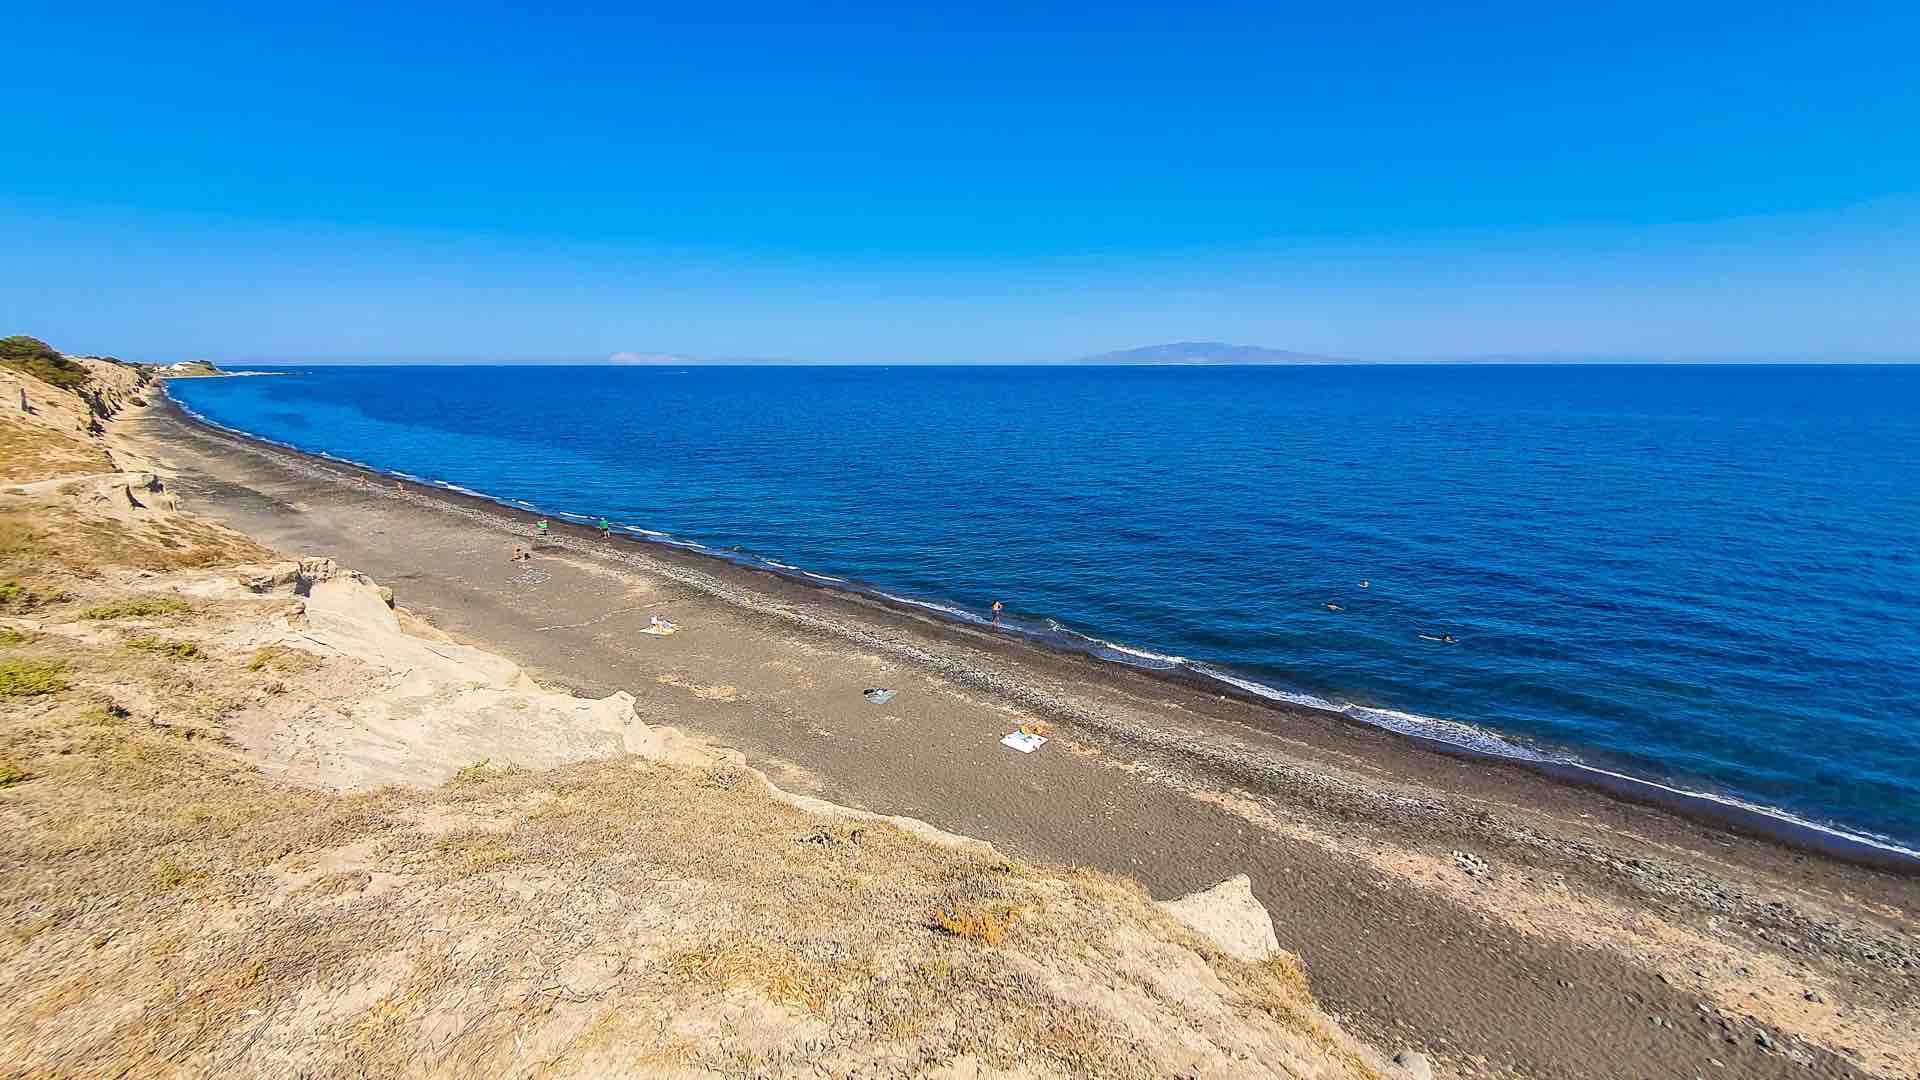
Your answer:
<point x="825" y="577"/>
<point x="1128" y="650"/>
<point x="1481" y="740"/>
<point x="929" y="605"/>
<point x="1263" y="690"/>
<point x="1872" y="840"/>
<point x="1157" y="659"/>
<point x="1452" y="732"/>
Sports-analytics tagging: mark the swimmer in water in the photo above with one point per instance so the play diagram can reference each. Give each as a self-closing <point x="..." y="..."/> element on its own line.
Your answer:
<point x="1449" y="639"/>
<point x="1335" y="607"/>
<point x="1366" y="584"/>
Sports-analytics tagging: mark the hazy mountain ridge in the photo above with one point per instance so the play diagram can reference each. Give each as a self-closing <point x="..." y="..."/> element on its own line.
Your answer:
<point x="1207" y="352"/>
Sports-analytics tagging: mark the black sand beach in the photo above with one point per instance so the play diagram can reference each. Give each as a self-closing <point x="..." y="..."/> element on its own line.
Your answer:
<point x="1500" y="920"/>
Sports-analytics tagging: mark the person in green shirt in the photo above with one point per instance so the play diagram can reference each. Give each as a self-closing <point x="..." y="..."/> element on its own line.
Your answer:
<point x="606" y="529"/>
<point x="540" y="529"/>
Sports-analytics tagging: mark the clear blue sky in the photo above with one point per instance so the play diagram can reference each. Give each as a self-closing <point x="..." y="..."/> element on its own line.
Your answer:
<point x="871" y="182"/>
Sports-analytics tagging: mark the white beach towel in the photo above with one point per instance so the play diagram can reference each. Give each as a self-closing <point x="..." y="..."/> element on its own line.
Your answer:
<point x="1024" y="742"/>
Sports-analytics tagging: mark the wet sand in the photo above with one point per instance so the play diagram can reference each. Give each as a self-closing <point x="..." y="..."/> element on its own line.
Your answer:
<point x="1504" y="923"/>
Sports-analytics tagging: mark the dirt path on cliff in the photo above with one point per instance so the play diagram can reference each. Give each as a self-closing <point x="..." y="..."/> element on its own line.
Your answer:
<point x="1505" y="924"/>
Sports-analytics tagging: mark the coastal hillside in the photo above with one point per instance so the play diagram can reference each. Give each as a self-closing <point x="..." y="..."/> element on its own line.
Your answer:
<point x="1206" y="352"/>
<point x="52" y="408"/>
<point x="257" y="818"/>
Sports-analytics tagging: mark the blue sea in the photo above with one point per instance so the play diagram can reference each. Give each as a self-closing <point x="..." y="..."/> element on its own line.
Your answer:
<point x="1707" y="577"/>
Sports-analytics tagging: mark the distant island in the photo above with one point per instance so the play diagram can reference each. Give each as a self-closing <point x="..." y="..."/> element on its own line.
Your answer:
<point x="1207" y="352"/>
<point x="187" y="369"/>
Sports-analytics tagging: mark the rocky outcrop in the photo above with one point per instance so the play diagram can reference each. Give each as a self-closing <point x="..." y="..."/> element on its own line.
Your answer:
<point x="1229" y="916"/>
<point x="1408" y="1065"/>
<point x="113" y="386"/>
<point x="116" y="494"/>
<point x="110" y="387"/>
<point x="422" y="707"/>
<point x="435" y="705"/>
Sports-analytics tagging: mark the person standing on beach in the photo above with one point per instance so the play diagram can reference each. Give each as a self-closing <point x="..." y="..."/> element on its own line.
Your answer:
<point x="540" y="530"/>
<point x="998" y="607"/>
<point x="606" y="529"/>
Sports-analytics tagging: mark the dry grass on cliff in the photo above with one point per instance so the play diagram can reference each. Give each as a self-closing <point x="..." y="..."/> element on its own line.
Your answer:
<point x="30" y="452"/>
<point x="170" y="908"/>
<point x="43" y="536"/>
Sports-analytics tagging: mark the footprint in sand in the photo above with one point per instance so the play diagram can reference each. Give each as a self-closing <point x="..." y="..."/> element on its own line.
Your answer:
<point x="705" y="693"/>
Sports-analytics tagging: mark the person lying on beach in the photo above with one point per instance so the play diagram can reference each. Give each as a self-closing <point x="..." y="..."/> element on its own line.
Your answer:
<point x="519" y="553"/>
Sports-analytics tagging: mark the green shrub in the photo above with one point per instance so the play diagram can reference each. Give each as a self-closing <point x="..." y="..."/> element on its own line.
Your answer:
<point x="142" y="607"/>
<point x="40" y="360"/>
<point x="171" y="875"/>
<point x="480" y="772"/>
<point x="17" y="597"/>
<point x="27" y="678"/>
<point x="172" y="650"/>
<point x="10" y="636"/>
<point x="22" y="347"/>
<point x="283" y="660"/>
<point x="11" y="774"/>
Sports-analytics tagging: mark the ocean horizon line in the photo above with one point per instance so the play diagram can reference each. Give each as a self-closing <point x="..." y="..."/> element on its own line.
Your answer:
<point x="1500" y="362"/>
